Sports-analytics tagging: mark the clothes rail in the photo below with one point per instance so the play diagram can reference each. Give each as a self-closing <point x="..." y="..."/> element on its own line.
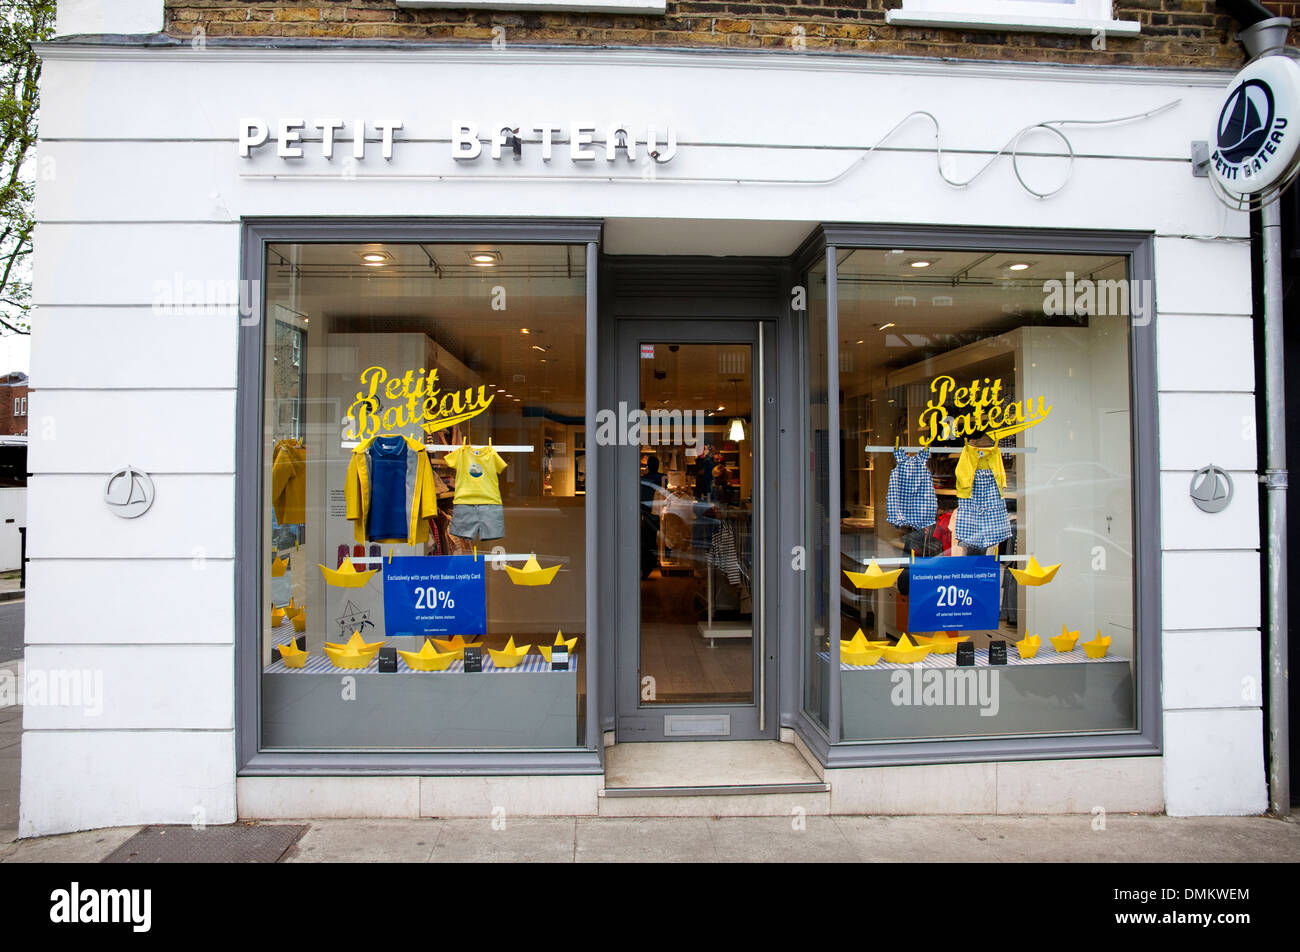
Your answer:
<point x="448" y="447"/>
<point x="379" y="560"/>
<point x="908" y="561"/>
<point x="949" y="449"/>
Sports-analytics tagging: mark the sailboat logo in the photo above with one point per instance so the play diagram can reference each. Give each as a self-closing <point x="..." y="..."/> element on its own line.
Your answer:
<point x="1211" y="489"/>
<point x="129" y="492"/>
<point x="1245" y="121"/>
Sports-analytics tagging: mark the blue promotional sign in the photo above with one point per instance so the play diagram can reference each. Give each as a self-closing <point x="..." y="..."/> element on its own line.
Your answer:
<point x="434" y="595"/>
<point x="953" y="593"/>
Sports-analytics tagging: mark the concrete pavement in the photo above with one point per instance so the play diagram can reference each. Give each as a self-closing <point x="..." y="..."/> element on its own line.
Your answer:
<point x="940" y="839"/>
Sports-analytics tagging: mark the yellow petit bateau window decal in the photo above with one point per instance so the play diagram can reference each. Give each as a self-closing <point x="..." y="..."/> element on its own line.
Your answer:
<point x="387" y="404"/>
<point x="960" y="411"/>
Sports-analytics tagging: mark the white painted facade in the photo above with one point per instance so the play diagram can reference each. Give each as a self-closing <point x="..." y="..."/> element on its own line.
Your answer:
<point x="148" y="188"/>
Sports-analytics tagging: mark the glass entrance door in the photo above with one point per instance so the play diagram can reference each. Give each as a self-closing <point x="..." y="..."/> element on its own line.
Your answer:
<point x="692" y="654"/>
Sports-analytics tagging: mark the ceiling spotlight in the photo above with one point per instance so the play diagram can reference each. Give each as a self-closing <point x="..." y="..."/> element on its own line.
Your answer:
<point x="720" y="409"/>
<point x="920" y="264"/>
<point x="376" y="257"/>
<point x="861" y="342"/>
<point x="524" y="330"/>
<point x="1018" y="266"/>
<point x="885" y="327"/>
<point x="539" y="347"/>
<point x="485" y="259"/>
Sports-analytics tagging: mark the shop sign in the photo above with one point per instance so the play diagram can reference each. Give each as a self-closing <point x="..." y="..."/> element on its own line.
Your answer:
<point x="388" y="404"/>
<point x="435" y="595"/>
<point x="953" y="593"/>
<point x="955" y="412"/>
<point x="1255" y="137"/>
<point x="510" y="139"/>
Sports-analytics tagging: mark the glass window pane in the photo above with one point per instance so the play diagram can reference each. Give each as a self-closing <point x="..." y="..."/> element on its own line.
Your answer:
<point x="424" y="496"/>
<point x="987" y="494"/>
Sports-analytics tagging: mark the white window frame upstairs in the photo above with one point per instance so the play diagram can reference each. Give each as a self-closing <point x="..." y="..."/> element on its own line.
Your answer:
<point x="1036" y="16"/>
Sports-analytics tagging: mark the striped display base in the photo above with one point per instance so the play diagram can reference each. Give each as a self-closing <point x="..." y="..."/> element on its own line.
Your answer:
<point x="1046" y="655"/>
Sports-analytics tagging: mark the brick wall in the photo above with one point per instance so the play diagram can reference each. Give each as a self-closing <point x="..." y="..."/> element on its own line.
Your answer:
<point x="9" y="424"/>
<point x="1174" y="32"/>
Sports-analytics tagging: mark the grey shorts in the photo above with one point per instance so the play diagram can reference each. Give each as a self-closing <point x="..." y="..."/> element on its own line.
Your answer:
<point x="488" y="521"/>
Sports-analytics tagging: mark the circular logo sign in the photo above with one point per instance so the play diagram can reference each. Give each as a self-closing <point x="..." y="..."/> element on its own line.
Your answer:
<point x="128" y="493"/>
<point x="1256" y="140"/>
<point x="1211" y="489"/>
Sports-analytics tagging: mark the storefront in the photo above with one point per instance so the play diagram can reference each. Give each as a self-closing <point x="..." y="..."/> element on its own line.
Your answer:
<point x="582" y="409"/>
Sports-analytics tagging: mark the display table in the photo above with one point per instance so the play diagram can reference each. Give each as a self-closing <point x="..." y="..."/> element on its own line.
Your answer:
<point x="1055" y="691"/>
<point x="524" y="706"/>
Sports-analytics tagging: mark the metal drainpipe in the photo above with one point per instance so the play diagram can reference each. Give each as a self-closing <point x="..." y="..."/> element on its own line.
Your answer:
<point x="1262" y="38"/>
<point x="1274" y="480"/>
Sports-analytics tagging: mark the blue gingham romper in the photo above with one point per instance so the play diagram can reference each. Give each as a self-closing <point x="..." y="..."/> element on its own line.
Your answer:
<point x="981" y="521"/>
<point x="910" y="499"/>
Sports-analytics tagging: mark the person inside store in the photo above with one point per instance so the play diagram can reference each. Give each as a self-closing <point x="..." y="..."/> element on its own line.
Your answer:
<point x="652" y="487"/>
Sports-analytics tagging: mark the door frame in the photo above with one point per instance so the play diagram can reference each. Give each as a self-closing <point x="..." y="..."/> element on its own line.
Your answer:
<point x="758" y="720"/>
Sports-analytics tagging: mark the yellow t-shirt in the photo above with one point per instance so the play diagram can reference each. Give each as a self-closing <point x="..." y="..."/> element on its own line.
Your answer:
<point x="476" y="475"/>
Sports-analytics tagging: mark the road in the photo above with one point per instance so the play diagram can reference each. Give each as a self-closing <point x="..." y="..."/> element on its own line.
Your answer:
<point x="11" y="630"/>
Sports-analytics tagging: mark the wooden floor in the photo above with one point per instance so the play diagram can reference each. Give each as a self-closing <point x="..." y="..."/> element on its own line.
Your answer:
<point x="680" y="660"/>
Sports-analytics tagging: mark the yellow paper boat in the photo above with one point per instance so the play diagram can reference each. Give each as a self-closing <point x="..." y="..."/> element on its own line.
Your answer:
<point x="1028" y="647"/>
<point x="906" y="651"/>
<point x="1065" y="640"/>
<point x="1033" y="573"/>
<point x="357" y="653"/>
<point x="456" y="645"/>
<point x="510" y="655"/>
<point x="874" y="577"/>
<point x="346" y="575"/>
<point x="532" y="573"/>
<point x="859" y="651"/>
<point x="427" y="659"/>
<point x="1098" y="647"/>
<point x="570" y="643"/>
<point x="278" y="566"/>
<point x="942" y="643"/>
<point x="292" y="655"/>
<point x="277" y="617"/>
<point x="300" y="622"/>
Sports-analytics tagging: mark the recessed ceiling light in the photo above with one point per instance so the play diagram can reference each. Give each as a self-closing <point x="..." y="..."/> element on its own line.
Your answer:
<point x="720" y="409"/>
<point x="524" y="330"/>
<point x="1018" y="266"/>
<point x="485" y="259"/>
<point x="920" y="264"/>
<point x="861" y="342"/>
<point x="885" y="327"/>
<point x="539" y="347"/>
<point x="375" y="257"/>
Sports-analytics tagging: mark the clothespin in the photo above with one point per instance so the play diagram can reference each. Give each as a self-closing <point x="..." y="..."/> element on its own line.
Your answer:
<point x="895" y="442"/>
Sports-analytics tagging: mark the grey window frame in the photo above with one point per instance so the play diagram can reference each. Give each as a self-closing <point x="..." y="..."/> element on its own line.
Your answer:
<point x="1147" y="738"/>
<point x="256" y="234"/>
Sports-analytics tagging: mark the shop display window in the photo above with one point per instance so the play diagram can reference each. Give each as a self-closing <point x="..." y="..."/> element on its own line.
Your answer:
<point x="423" y="573"/>
<point x="985" y="505"/>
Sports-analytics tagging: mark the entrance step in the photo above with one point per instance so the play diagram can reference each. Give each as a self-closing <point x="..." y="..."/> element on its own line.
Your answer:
<point x="720" y="778"/>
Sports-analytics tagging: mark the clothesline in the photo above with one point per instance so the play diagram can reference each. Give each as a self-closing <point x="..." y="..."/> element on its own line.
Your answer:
<point x="949" y="449"/>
